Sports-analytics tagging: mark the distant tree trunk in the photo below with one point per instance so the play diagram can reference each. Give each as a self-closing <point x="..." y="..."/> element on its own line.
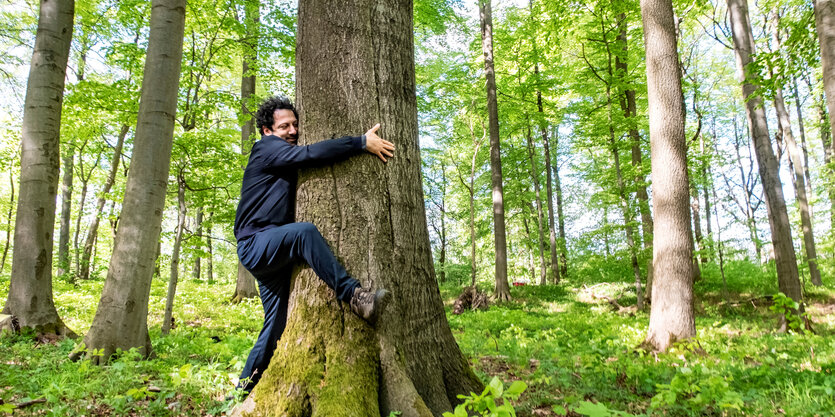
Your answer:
<point x="66" y="212"/>
<point x="175" y="255"/>
<point x="785" y="258"/>
<point x="695" y="206"/>
<point x="672" y="317"/>
<point x="30" y="286"/>
<point x="799" y="188"/>
<point x="411" y="363"/>
<point x="825" y="25"/>
<point x="8" y="223"/>
<point x="560" y="215"/>
<point x="748" y="184"/>
<point x="630" y="112"/>
<point x="627" y="218"/>
<point x="443" y="226"/>
<point x="471" y="190"/>
<point x="92" y="231"/>
<point x="707" y="254"/>
<point x="121" y="318"/>
<point x="210" y="278"/>
<point x="800" y="125"/>
<point x="496" y="178"/>
<point x="85" y="180"/>
<point x="606" y="230"/>
<point x="539" y="212"/>
<point x="245" y="285"/>
<point x="198" y="221"/>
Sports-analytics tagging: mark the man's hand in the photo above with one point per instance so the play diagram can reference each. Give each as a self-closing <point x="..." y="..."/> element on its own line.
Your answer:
<point x="377" y="145"/>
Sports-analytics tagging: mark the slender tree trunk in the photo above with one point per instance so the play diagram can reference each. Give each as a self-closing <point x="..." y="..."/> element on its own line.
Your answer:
<point x="121" y="318"/>
<point x="825" y="25"/>
<point x="828" y="151"/>
<point x="800" y="125"/>
<point x="496" y="178"/>
<point x="92" y="231"/>
<point x="30" y="287"/>
<point x="560" y="216"/>
<point x="786" y="260"/>
<point x="539" y="212"/>
<point x="245" y="285"/>
<point x="411" y="363"/>
<point x="443" y="225"/>
<point x="8" y="223"/>
<point x="66" y="212"/>
<point x="748" y="182"/>
<point x="85" y="180"/>
<point x="707" y="254"/>
<point x="198" y="220"/>
<point x="800" y="188"/>
<point x="697" y="220"/>
<point x="210" y="278"/>
<point x="672" y="317"/>
<point x="175" y="256"/>
<point x="627" y="218"/>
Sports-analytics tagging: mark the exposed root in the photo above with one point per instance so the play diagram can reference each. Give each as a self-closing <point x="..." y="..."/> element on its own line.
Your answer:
<point x="470" y="299"/>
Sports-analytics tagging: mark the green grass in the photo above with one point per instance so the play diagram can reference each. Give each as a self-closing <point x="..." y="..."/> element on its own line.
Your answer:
<point x="569" y="347"/>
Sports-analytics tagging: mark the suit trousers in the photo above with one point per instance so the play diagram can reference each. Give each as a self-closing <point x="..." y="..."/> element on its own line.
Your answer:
<point x="270" y="256"/>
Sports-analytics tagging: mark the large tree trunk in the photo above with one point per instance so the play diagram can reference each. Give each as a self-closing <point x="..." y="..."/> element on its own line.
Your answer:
<point x="825" y="25"/>
<point x="245" y="285"/>
<point x="66" y="206"/>
<point x="827" y="142"/>
<point x="350" y="76"/>
<point x="30" y="289"/>
<point x="778" y="219"/>
<point x="92" y="231"/>
<point x="175" y="255"/>
<point x="671" y="317"/>
<point x="121" y="317"/>
<point x="486" y="19"/>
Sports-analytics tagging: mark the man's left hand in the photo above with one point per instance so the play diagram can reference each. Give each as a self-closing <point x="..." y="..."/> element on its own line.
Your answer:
<point x="377" y="145"/>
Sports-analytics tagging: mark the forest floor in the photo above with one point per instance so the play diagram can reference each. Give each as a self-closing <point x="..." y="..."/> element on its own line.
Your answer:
<point x="575" y="352"/>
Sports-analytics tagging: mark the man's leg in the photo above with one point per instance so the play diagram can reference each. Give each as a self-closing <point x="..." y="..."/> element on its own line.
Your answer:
<point x="274" y="294"/>
<point x="279" y="247"/>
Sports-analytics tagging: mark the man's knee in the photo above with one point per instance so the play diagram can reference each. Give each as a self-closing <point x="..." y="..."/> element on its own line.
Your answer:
<point x="306" y="230"/>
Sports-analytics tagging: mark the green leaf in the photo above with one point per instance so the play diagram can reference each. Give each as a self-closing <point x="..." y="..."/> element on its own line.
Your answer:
<point x="591" y="409"/>
<point x="516" y="389"/>
<point x="496" y="386"/>
<point x="7" y="408"/>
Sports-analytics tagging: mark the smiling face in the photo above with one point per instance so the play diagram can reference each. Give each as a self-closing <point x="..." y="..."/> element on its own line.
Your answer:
<point x="285" y="125"/>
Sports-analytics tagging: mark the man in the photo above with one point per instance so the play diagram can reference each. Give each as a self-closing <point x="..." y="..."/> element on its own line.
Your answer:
<point x="269" y="240"/>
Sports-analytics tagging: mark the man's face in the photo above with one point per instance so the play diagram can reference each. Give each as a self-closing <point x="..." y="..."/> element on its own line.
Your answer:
<point x="284" y="126"/>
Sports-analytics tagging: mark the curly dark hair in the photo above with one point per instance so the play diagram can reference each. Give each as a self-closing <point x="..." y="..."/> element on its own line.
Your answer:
<point x="264" y="115"/>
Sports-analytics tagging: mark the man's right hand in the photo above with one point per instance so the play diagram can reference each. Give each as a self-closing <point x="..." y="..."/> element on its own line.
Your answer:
<point x="377" y="145"/>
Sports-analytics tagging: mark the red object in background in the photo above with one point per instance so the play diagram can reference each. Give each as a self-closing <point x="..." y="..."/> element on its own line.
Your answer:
<point x="518" y="284"/>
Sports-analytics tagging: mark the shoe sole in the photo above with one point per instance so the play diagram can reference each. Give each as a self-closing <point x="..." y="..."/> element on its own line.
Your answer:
<point x="381" y="299"/>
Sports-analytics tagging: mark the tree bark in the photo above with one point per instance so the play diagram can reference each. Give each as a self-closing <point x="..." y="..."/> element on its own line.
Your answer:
<point x="560" y="215"/>
<point x="351" y="76"/>
<point x="826" y="141"/>
<point x="121" y="317"/>
<point x="671" y="317"/>
<point x="778" y="219"/>
<point x="66" y="212"/>
<point x="175" y="255"/>
<point x="92" y="231"/>
<point x="245" y="285"/>
<point x="825" y="25"/>
<point x="496" y="178"/>
<point x="695" y="206"/>
<point x="30" y="287"/>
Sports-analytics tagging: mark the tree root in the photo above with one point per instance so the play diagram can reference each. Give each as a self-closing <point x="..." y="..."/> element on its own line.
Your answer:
<point x="470" y="299"/>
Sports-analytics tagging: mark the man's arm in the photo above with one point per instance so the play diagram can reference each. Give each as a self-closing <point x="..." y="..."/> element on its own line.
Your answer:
<point x="280" y="154"/>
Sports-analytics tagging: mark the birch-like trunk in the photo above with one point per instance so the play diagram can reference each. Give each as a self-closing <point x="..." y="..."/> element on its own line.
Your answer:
<point x="121" y="318"/>
<point x="778" y="219"/>
<point x="66" y="212"/>
<point x="167" y="321"/>
<point x="30" y="287"/>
